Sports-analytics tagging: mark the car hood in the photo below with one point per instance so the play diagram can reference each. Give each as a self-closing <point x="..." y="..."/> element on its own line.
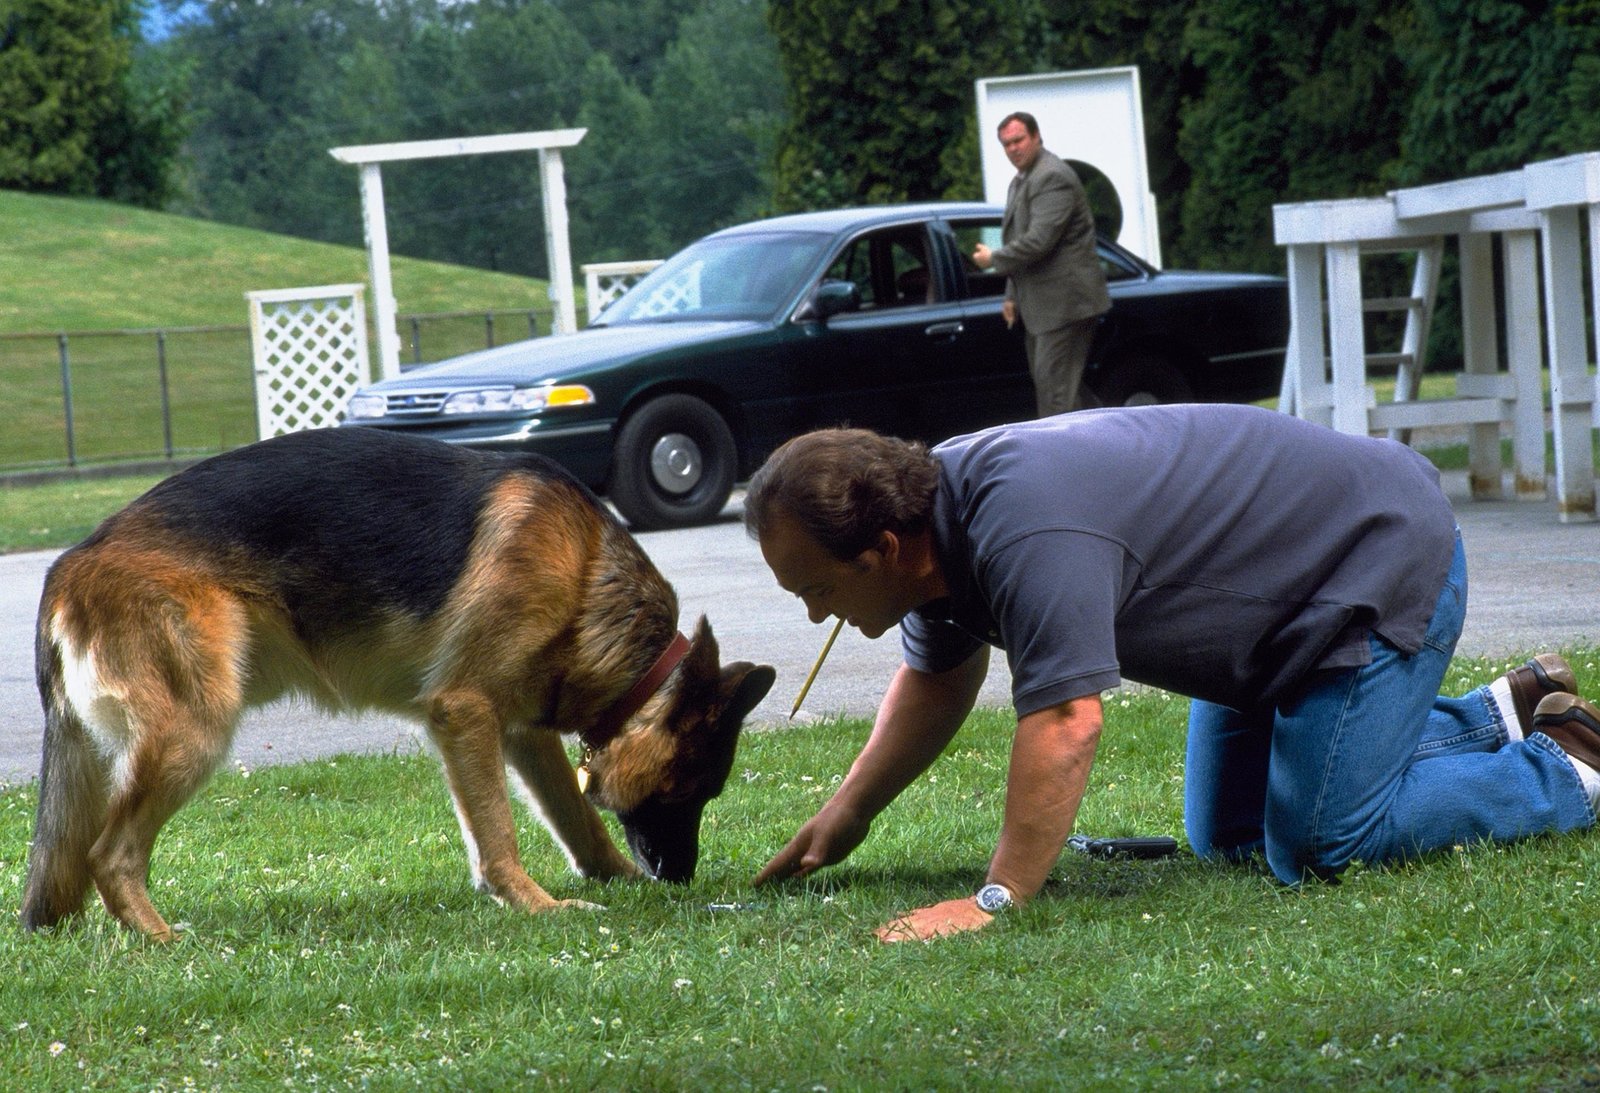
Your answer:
<point x="562" y="356"/>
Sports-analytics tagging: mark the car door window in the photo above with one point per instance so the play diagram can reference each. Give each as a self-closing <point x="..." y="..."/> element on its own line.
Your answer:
<point x="1116" y="269"/>
<point x="890" y="268"/>
<point x="968" y="235"/>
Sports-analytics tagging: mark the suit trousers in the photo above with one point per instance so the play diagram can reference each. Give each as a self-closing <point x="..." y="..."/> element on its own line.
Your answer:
<point x="1056" y="359"/>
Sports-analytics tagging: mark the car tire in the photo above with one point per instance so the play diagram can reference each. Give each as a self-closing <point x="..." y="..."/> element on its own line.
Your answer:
<point x="674" y="464"/>
<point x="1143" y="381"/>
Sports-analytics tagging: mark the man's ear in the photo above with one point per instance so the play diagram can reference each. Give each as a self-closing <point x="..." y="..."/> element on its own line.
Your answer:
<point x="881" y="554"/>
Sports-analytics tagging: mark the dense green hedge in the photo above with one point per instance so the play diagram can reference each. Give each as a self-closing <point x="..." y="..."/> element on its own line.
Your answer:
<point x="1248" y="103"/>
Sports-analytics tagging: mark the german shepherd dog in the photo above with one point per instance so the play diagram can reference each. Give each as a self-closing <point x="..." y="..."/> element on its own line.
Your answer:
<point x="489" y="596"/>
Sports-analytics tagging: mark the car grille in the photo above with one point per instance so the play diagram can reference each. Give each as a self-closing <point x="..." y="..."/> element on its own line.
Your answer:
<point x="415" y="403"/>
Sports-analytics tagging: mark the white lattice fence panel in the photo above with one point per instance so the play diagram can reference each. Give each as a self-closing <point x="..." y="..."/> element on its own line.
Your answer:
<point x="682" y="293"/>
<point x="605" y="281"/>
<point x="310" y="347"/>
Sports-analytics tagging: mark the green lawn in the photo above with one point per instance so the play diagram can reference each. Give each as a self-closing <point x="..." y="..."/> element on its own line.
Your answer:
<point x="334" y="942"/>
<point x="57" y="514"/>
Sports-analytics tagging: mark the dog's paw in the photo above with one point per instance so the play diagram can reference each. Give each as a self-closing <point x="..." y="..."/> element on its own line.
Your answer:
<point x="578" y="905"/>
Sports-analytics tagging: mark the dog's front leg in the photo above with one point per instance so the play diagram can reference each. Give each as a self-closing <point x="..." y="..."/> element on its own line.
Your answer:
<point x="466" y="730"/>
<point x="552" y="790"/>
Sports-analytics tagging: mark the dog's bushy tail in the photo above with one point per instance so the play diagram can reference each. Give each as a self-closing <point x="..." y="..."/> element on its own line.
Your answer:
<point x="72" y="802"/>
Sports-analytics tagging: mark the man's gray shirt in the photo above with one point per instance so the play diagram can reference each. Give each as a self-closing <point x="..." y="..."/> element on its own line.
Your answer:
<point x="1222" y="552"/>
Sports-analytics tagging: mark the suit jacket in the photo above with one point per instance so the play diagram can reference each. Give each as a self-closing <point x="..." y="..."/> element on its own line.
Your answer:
<point x="1048" y="252"/>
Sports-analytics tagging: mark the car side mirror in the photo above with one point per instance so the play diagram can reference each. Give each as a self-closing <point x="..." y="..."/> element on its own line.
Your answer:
<point x="830" y="298"/>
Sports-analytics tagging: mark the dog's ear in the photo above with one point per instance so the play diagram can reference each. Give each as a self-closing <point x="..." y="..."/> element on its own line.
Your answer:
<point x="727" y="694"/>
<point x="703" y="655"/>
<point x="744" y="685"/>
<point x="699" y="692"/>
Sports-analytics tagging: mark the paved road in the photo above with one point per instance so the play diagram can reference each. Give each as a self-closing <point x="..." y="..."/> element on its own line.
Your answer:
<point x="1535" y="584"/>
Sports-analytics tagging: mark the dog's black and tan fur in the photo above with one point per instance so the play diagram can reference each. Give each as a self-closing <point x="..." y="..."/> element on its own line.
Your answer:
<point x="490" y="597"/>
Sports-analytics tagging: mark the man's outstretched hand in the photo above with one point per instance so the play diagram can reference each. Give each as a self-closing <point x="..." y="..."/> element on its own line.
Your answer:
<point x="826" y="839"/>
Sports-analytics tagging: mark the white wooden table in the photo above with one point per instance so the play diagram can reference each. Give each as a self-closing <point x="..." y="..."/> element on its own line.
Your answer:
<point x="1534" y="212"/>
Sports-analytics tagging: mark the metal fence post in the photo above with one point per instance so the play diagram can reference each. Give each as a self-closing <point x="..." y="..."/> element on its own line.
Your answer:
<point x="488" y="329"/>
<point x="416" y="340"/>
<point x="66" y="398"/>
<point x="166" y="397"/>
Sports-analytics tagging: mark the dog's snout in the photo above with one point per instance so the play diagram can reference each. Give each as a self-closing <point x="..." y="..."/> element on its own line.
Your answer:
<point x="665" y="839"/>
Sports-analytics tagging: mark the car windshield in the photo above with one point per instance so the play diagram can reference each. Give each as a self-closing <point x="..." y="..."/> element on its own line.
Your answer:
<point x="735" y="277"/>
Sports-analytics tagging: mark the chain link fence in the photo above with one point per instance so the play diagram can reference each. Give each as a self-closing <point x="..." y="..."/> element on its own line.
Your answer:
<point x="83" y="398"/>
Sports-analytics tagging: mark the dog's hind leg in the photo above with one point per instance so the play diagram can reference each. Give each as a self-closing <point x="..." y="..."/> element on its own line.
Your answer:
<point x="157" y="684"/>
<point x="551" y="788"/>
<point x="165" y="770"/>
<point x="466" y="731"/>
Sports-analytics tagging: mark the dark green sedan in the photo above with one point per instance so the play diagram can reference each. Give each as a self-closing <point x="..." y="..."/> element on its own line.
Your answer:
<point x="871" y="317"/>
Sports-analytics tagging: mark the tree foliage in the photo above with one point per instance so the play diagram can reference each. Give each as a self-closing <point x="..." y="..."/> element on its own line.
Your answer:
<point x="702" y="113"/>
<point x="677" y="96"/>
<point x="880" y="92"/>
<point x="263" y="76"/>
<point x="76" y="114"/>
<point x="1499" y="83"/>
<point x="718" y="104"/>
<point x="1289" y="109"/>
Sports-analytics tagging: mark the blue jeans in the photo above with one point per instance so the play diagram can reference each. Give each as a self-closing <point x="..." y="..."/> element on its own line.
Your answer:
<point x="1371" y="764"/>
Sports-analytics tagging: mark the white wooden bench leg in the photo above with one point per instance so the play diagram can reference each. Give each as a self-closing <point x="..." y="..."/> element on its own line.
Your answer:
<point x="1481" y="356"/>
<point x="1525" y="359"/>
<point x="1571" y="391"/>
<point x="1305" y="383"/>
<point x="1347" y="338"/>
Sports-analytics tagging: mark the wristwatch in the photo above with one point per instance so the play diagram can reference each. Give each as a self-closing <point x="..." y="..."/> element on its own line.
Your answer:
<point x="993" y="898"/>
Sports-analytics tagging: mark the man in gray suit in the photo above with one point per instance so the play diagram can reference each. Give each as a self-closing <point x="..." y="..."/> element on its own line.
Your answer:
<point x="1054" y="277"/>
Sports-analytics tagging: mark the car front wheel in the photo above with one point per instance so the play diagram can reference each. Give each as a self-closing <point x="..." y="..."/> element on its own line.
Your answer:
<point x="1143" y="381"/>
<point x="674" y="464"/>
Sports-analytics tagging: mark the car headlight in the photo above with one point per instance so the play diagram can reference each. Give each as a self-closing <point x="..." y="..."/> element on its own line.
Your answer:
<point x="513" y="400"/>
<point x="365" y="406"/>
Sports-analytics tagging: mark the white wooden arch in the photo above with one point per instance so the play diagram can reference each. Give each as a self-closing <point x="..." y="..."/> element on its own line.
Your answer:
<point x="548" y="143"/>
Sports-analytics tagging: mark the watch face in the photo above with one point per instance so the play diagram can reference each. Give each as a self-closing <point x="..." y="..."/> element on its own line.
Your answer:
<point x="993" y="897"/>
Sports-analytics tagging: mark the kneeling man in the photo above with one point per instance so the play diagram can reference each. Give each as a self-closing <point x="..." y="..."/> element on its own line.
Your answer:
<point x="1305" y="588"/>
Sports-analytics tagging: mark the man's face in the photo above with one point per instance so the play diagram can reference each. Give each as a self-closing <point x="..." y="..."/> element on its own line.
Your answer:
<point x="862" y="591"/>
<point x="1022" y="147"/>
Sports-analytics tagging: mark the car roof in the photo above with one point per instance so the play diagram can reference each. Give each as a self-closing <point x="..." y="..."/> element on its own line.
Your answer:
<point x="833" y="221"/>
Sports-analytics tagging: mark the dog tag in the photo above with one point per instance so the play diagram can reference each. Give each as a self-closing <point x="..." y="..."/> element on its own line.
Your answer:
<point x="583" y="779"/>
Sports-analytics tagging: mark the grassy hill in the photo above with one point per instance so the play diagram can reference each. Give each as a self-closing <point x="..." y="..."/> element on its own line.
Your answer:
<point x="91" y="267"/>
<point x="68" y="264"/>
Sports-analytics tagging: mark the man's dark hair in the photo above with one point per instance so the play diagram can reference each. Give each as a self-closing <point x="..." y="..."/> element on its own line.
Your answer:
<point x="844" y="487"/>
<point x="1029" y="122"/>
